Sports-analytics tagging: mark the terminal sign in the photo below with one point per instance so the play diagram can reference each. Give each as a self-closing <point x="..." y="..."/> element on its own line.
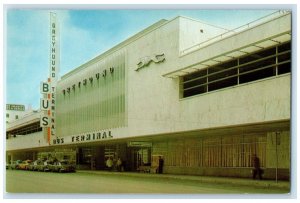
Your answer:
<point x="83" y="138"/>
<point x="48" y="89"/>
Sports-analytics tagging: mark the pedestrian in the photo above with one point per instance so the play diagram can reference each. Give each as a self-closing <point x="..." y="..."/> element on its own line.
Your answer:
<point x="160" y="164"/>
<point x="114" y="166"/>
<point x="109" y="163"/>
<point x="119" y="164"/>
<point x="256" y="167"/>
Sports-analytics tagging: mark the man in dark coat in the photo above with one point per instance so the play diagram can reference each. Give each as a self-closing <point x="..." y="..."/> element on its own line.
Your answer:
<point x="160" y="164"/>
<point x="256" y="167"/>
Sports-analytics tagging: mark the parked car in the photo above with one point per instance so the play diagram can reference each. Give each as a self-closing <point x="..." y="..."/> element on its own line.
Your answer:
<point x="33" y="166"/>
<point x="44" y="166"/>
<point x="15" y="164"/>
<point x="62" y="166"/>
<point x="24" y="165"/>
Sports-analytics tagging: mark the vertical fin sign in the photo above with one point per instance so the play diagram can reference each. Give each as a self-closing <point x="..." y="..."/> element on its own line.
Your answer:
<point x="48" y="88"/>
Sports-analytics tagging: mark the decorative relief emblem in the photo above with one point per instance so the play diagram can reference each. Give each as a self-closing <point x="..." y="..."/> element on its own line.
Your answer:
<point x="145" y="61"/>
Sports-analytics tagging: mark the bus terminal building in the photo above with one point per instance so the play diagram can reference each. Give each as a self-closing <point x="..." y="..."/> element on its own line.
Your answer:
<point x="202" y="97"/>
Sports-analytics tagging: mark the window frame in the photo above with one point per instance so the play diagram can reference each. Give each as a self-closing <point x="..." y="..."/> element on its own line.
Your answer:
<point x="187" y="90"/>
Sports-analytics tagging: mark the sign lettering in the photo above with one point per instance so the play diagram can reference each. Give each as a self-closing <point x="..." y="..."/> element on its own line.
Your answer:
<point x="15" y="107"/>
<point x="44" y="121"/>
<point x="83" y="138"/>
<point x="48" y="88"/>
<point x="44" y="104"/>
<point x="91" y="79"/>
<point x="45" y="87"/>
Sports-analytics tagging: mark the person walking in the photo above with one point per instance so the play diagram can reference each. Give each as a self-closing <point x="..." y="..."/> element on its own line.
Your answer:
<point x="160" y="164"/>
<point x="256" y="167"/>
<point x="109" y="163"/>
<point x="119" y="164"/>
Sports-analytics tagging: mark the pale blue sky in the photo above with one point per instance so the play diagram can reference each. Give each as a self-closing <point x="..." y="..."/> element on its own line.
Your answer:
<point x="84" y="34"/>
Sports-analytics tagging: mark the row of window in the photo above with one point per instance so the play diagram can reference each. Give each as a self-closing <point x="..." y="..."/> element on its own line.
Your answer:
<point x="255" y="66"/>
<point x="32" y="128"/>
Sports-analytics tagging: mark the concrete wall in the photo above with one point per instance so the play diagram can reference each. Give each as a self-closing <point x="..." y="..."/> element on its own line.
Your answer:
<point x="31" y="117"/>
<point x="238" y="40"/>
<point x="157" y="109"/>
<point x="13" y="114"/>
<point x="193" y="32"/>
<point x="148" y="91"/>
<point x="29" y="141"/>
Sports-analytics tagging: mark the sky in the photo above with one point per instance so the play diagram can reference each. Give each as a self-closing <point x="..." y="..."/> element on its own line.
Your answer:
<point x="84" y="34"/>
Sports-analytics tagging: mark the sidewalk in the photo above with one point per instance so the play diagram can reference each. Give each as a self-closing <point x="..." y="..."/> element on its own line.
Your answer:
<point x="203" y="179"/>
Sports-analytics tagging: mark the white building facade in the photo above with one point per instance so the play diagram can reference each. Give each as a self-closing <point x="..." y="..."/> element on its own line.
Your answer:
<point x="202" y="97"/>
<point x="16" y="111"/>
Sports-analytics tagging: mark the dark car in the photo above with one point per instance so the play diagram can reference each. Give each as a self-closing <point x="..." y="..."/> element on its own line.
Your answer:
<point x="62" y="166"/>
<point x="44" y="166"/>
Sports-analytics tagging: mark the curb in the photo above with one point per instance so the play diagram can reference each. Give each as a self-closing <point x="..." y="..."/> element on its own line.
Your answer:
<point x="284" y="185"/>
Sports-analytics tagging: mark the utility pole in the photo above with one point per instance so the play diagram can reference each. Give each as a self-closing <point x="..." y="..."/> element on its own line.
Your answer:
<point x="276" y="148"/>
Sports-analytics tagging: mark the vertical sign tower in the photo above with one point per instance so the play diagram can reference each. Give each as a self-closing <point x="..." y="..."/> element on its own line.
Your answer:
<point x="48" y="88"/>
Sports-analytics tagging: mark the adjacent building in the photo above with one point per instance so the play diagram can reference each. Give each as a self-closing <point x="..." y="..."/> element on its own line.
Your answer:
<point x="16" y="111"/>
<point x="202" y="97"/>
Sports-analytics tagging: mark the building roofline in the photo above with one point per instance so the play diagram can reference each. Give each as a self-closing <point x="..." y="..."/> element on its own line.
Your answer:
<point x="119" y="46"/>
<point x="273" y="16"/>
<point x="202" y="22"/>
<point x="26" y="120"/>
<point x="136" y="36"/>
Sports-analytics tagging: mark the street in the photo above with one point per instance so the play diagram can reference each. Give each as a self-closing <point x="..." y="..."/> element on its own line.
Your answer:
<point x="117" y="183"/>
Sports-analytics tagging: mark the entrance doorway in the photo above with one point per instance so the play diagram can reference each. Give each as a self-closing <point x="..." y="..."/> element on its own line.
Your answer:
<point x="139" y="157"/>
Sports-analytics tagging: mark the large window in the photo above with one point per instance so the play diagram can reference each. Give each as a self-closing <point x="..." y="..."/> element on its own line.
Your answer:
<point x="220" y="151"/>
<point x="255" y="66"/>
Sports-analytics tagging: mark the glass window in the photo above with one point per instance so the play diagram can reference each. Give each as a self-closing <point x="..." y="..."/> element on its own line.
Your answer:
<point x="284" y="58"/>
<point x="255" y="66"/>
<point x="28" y="129"/>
